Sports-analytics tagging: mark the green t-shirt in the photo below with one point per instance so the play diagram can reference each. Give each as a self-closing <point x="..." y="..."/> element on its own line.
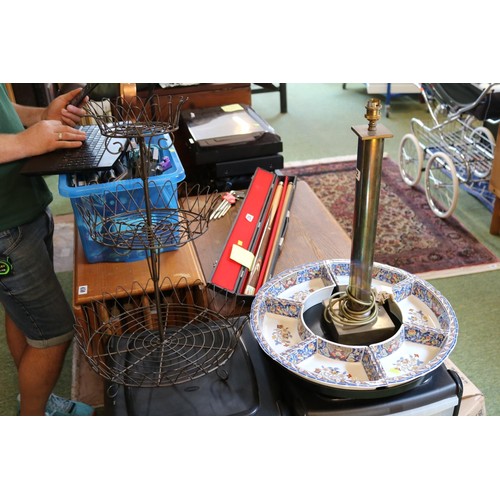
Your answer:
<point x="22" y="198"/>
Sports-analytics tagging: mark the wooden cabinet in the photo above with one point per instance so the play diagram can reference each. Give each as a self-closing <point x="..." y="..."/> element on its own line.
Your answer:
<point x="203" y="95"/>
<point x="495" y="188"/>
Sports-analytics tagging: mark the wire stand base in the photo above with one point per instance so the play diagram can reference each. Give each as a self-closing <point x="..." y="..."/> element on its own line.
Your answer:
<point x="121" y="338"/>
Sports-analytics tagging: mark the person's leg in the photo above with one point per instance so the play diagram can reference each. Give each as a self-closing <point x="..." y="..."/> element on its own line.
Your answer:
<point x="38" y="369"/>
<point x="16" y="340"/>
<point x="39" y="320"/>
<point x="38" y="373"/>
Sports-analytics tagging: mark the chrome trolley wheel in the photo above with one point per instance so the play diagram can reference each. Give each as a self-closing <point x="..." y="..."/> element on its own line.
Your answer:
<point x="411" y="159"/>
<point x="482" y="145"/>
<point x="441" y="184"/>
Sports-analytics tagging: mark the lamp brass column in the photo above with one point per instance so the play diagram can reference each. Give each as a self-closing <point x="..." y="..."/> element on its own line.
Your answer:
<point x="368" y="179"/>
<point x="354" y="315"/>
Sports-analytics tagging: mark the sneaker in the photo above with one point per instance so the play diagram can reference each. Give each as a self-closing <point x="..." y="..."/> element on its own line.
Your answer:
<point x="61" y="407"/>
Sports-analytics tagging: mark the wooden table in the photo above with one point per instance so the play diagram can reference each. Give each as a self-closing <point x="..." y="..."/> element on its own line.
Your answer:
<point x="313" y="235"/>
<point x="203" y="95"/>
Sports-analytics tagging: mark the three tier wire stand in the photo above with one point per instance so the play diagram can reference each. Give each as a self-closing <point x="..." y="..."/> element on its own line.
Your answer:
<point x="163" y="332"/>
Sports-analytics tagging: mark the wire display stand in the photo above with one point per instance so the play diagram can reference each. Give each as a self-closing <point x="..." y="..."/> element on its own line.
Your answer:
<point x="164" y="333"/>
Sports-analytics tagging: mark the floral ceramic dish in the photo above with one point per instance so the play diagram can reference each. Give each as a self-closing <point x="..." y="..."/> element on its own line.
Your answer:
<point x="427" y="334"/>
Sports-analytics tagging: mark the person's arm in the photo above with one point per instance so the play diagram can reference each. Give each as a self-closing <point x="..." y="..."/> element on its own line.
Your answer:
<point x="47" y="129"/>
<point x="28" y="115"/>
<point x="42" y="137"/>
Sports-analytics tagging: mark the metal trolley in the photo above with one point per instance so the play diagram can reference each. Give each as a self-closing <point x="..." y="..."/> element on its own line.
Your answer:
<point x="457" y="146"/>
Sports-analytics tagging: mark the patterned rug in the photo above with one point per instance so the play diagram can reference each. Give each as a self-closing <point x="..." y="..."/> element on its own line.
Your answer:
<point x="409" y="235"/>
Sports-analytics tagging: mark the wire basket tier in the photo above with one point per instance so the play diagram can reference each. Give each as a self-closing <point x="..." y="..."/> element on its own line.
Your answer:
<point x="120" y="218"/>
<point x="135" y="117"/>
<point x="120" y="338"/>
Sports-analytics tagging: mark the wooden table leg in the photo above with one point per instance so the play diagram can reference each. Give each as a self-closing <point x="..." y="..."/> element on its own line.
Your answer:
<point x="495" y="218"/>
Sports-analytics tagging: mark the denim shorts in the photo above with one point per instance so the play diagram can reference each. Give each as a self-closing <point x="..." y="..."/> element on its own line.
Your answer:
<point x="30" y="292"/>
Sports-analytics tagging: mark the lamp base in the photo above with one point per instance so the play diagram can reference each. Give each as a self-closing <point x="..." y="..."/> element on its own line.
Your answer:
<point x="382" y="328"/>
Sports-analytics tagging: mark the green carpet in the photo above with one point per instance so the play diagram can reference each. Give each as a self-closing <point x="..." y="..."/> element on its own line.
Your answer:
<point x="476" y="301"/>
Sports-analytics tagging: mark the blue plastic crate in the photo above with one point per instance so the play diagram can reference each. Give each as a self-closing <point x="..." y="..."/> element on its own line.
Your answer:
<point x="111" y="217"/>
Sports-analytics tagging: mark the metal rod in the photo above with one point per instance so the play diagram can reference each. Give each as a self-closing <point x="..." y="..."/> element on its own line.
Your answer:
<point x="152" y="250"/>
<point x="368" y="181"/>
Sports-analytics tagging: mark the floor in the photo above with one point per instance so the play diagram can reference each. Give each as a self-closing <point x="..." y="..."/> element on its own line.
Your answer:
<point x="63" y="242"/>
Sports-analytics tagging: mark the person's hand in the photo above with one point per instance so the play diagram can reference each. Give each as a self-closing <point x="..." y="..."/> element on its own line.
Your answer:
<point x="49" y="135"/>
<point x="60" y="109"/>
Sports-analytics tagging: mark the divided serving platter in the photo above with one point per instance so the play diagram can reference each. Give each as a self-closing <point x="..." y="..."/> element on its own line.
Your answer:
<point x="426" y="337"/>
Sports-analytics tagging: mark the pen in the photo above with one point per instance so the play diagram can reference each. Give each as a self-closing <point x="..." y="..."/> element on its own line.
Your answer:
<point x="273" y="238"/>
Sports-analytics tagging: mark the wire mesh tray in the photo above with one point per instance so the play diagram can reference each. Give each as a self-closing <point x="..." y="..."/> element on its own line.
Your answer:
<point x="133" y="117"/>
<point x="120" y="337"/>
<point x="119" y="218"/>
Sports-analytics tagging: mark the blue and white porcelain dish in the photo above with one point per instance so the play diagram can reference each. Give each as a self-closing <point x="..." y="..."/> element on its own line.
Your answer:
<point x="426" y="337"/>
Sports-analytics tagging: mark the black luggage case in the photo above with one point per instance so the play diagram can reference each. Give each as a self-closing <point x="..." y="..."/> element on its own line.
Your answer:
<point x="245" y="385"/>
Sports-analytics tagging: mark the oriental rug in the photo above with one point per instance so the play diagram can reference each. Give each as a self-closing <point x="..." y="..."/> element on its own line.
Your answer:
<point x="409" y="236"/>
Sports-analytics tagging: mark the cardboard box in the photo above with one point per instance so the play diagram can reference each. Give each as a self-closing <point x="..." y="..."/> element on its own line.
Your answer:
<point x="473" y="402"/>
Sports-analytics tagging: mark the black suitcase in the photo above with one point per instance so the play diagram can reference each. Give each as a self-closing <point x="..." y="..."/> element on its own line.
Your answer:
<point x="245" y="385"/>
